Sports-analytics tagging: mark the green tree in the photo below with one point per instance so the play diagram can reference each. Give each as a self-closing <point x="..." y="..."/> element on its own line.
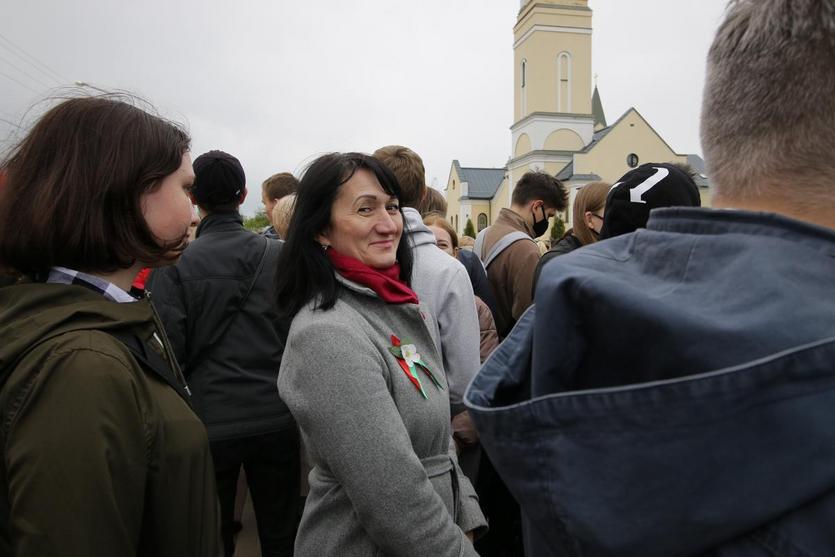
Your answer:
<point x="469" y="229"/>
<point x="256" y="223"/>
<point x="557" y="228"/>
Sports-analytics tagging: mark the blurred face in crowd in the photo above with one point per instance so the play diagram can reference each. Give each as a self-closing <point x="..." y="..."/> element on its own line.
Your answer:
<point x="167" y="209"/>
<point x="594" y="219"/>
<point x="366" y="223"/>
<point x="443" y="239"/>
<point x="269" y="204"/>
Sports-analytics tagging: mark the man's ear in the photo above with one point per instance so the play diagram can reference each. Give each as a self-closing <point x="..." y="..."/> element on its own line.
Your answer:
<point x="242" y="197"/>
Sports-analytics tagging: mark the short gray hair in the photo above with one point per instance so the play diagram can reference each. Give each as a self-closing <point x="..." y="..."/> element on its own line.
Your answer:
<point x="768" y="112"/>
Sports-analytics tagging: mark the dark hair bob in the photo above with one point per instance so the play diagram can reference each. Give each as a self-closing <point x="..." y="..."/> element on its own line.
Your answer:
<point x="74" y="183"/>
<point x="305" y="272"/>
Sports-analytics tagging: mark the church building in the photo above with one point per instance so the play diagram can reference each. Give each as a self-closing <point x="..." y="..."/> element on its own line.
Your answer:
<point x="559" y="124"/>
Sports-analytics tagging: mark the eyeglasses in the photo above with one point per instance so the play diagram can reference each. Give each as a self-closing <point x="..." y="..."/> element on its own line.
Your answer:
<point x="596" y="215"/>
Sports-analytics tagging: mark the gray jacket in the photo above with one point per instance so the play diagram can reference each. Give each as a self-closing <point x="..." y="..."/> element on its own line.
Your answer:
<point x="384" y="480"/>
<point x="442" y="283"/>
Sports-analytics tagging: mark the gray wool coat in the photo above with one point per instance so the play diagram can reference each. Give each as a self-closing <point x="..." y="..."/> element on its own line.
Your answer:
<point x="384" y="480"/>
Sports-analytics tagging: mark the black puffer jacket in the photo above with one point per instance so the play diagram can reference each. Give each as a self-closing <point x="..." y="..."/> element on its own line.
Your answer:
<point x="567" y="244"/>
<point x="229" y="349"/>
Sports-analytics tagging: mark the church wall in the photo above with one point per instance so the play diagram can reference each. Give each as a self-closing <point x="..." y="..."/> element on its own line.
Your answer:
<point x="541" y="35"/>
<point x="541" y="53"/>
<point x="453" y="193"/>
<point x="564" y="140"/>
<point x="523" y="145"/>
<point x="539" y="128"/>
<point x="631" y="135"/>
<point x="479" y="206"/>
<point x="501" y="199"/>
<point x="553" y="168"/>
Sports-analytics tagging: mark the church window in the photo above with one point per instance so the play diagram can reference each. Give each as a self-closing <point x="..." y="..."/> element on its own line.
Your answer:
<point x="482" y="221"/>
<point x="632" y="160"/>
<point x="524" y="92"/>
<point x="564" y="82"/>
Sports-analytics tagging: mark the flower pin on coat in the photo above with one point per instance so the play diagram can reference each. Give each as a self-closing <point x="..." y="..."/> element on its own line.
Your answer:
<point x="409" y="360"/>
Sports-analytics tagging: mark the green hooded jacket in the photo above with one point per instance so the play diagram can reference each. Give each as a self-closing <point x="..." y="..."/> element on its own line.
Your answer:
<point x="100" y="455"/>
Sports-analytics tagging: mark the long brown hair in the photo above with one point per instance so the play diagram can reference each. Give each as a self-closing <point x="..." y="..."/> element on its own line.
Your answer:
<point x="591" y="197"/>
<point x="74" y="183"/>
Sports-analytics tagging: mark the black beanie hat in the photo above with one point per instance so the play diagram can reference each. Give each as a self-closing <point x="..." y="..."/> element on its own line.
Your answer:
<point x="647" y="187"/>
<point x="219" y="178"/>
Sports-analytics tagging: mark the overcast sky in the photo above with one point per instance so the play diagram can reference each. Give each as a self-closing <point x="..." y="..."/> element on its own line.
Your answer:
<point x="278" y="82"/>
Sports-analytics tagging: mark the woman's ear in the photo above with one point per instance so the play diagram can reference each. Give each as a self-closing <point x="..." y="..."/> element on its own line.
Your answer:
<point x="322" y="238"/>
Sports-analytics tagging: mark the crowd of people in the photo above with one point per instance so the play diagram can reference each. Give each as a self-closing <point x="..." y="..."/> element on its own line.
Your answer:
<point x="659" y="382"/>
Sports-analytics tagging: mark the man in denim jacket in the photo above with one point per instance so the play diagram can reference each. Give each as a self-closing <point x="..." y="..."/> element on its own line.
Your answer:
<point x="673" y="390"/>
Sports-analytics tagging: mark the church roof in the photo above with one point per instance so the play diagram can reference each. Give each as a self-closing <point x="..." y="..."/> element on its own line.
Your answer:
<point x="567" y="174"/>
<point x="482" y="183"/>
<point x="597" y="109"/>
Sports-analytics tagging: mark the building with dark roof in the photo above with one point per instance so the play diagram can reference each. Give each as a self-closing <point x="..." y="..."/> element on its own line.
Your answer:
<point x="560" y="125"/>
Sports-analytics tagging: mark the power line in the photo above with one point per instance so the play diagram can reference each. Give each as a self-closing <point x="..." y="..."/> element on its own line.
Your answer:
<point x="27" y="74"/>
<point x="11" y="123"/>
<point x="4" y="74"/>
<point x="41" y="66"/>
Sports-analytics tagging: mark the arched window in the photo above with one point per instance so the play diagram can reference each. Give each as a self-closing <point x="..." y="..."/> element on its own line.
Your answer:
<point x="482" y="221"/>
<point x="524" y="92"/>
<point x="564" y="82"/>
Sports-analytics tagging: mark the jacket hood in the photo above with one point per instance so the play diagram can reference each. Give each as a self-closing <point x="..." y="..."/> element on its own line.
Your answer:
<point x="418" y="233"/>
<point x="634" y="413"/>
<point x="33" y="312"/>
<point x="703" y="459"/>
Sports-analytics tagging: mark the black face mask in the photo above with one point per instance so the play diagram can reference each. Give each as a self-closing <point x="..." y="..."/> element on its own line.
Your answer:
<point x="539" y="226"/>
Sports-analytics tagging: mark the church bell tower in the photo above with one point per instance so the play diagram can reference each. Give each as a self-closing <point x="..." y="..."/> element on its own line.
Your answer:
<point x="552" y="84"/>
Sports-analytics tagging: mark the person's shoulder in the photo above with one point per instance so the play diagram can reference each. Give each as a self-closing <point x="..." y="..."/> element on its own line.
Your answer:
<point x="341" y="319"/>
<point x="435" y="267"/>
<point x="90" y="344"/>
<point x="82" y="361"/>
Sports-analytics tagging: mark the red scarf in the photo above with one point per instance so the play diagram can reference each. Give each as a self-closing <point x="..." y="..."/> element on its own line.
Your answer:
<point x="385" y="282"/>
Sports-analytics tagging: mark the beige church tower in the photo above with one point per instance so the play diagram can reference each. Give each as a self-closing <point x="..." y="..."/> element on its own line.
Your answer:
<point x="552" y="85"/>
<point x="558" y="122"/>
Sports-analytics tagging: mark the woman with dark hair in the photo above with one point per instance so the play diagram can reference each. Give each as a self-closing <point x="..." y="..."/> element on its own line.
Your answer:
<point x="363" y="378"/>
<point x="102" y="453"/>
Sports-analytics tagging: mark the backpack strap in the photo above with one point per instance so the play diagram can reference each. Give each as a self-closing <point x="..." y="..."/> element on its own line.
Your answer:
<point x="504" y="243"/>
<point x="268" y="243"/>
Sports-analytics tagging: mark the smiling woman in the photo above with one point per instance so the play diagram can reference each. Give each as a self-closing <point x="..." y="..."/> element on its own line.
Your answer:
<point x="363" y="378"/>
<point x="366" y="223"/>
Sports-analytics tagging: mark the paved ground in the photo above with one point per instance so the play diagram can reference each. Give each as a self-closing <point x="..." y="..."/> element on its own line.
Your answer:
<point x="247" y="545"/>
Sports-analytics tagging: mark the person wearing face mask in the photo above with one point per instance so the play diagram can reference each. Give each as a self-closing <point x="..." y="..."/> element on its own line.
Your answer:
<point x="588" y="210"/>
<point x="508" y="250"/>
<point x="510" y="255"/>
